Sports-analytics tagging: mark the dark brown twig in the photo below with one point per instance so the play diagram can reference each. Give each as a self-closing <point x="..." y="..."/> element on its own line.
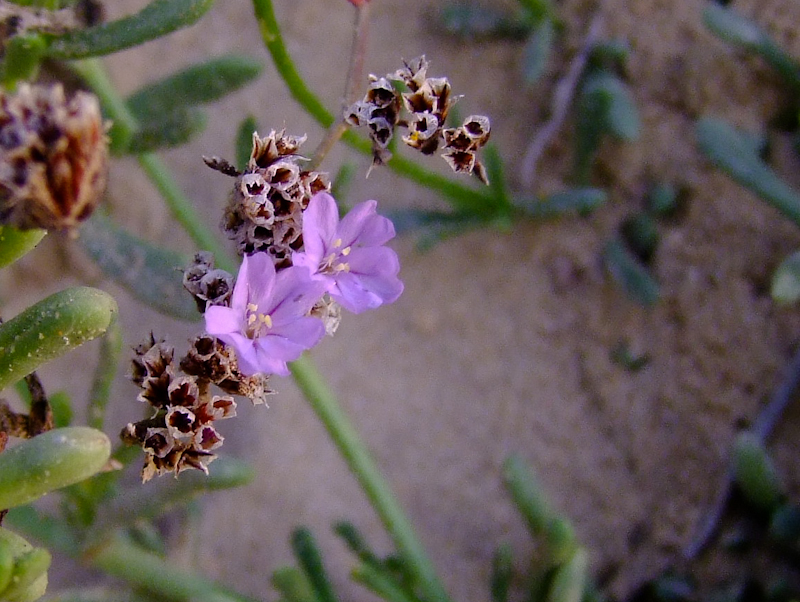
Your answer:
<point x="355" y="80"/>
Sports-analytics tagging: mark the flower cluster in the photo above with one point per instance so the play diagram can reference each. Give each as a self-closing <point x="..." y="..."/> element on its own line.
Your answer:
<point x="180" y="433"/>
<point x="287" y="295"/>
<point x="276" y="314"/>
<point x="428" y="103"/>
<point x="53" y="157"/>
<point x="264" y="212"/>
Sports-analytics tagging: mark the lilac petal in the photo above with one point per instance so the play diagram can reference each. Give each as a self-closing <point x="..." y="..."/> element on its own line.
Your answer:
<point x="223" y="320"/>
<point x="305" y="332"/>
<point x="373" y="261"/>
<point x="386" y="287"/>
<point x="295" y="294"/>
<point x="259" y="273"/>
<point x="351" y="295"/>
<point x="250" y="363"/>
<point x="364" y="227"/>
<point x="319" y="226"/>
<point x="241" y="289"/>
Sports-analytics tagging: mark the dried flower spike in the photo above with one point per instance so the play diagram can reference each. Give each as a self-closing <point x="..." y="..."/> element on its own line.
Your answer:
<point x="53" y="157"/>
<point x="265" y="208"/>
<point x="428" y="103"/>
<point x="180" y="433"/>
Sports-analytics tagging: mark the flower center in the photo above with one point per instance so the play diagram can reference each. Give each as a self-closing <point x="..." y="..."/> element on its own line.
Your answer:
<point x="333" y="264"/>
<point x="257" y="323"/>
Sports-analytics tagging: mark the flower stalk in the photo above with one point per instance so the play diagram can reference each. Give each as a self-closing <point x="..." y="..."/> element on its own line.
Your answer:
<point x="361" y="463"/>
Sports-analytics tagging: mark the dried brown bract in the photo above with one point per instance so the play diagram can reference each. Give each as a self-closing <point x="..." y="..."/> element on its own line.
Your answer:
<point x="428" y="103"/>
<point x="208" y="286"/>
<point x="380" y="111"/>
<point x="265" y="208"/>
<point x="53" y="157"/>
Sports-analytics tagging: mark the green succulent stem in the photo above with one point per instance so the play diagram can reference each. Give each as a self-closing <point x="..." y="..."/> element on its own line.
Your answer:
<point x="372" y="481"/>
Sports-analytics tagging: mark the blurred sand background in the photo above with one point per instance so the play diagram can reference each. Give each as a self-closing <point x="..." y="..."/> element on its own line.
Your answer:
<point x="501" y="342"/>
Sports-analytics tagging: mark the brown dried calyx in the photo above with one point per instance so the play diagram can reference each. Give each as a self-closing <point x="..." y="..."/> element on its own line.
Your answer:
<point x="428" y="103"/>
<point x="53" y="157"/>
<point x="208" y="286"/>
<point x="180" y="434"/>
<point x="264" y="212"/>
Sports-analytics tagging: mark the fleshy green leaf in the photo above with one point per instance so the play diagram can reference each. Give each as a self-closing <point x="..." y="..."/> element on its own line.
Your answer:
<point x="738" y="30"/>
<point x="735" y="154"/>
<point x="786" y="280"/>
<point x="631" y="275"/>
<point x="16" y="243"/>
<point x="50" y="461"/>
<point x="381" y="583"/>
<point x="576" y="200"/>
<point x="310" y="560"/>
<point x="29" y="581"/>
<point x="172" y="129"/>
<point x="199" y="84"/>
<point x="50" y="531"/>
<point x="293" y="585"/>
<point x="605" y="106"/>
<point x="569" y="579"/>
<point x="537" y="51"/>
<point x="527" y="495"/>
<point x="50" y="328"/>
<point x="502" y="573"/>
<point x="476" y="22"/>
<point x="755" y="473"/>
<point x="149" y="273"/>
<point x="157" y="19"/>
<point x="149" y="504"/>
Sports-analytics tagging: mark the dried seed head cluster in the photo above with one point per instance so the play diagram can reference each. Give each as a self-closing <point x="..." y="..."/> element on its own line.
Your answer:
<point x="265" y="209"/>
<point x="180" y="434"/>
<point x="428" y="103"/>
<point x="53" y="157"/>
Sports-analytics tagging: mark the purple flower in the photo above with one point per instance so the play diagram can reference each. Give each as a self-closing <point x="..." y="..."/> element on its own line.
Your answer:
<point x="267" y="322"/>
<point x="349" y="255"/>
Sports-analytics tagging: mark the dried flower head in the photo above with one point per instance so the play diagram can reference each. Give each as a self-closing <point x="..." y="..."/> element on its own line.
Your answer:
<point x="53" y="157"/>
<point x="265" y="208"/>
<point x="180" y="433"/>
<point x="212" y="360"/>
<point x="428" y="103"/>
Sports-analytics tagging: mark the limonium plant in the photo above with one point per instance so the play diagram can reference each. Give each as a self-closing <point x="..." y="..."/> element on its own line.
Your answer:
<point x="297" y="265"/>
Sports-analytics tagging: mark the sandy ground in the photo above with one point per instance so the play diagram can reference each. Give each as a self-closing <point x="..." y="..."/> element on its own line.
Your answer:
<point x="501" y="342"/>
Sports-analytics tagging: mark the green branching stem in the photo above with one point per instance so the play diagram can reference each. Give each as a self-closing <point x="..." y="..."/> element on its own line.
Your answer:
<point x="462" y="197"/>
<point x="369" y="476"/>
<point x="179" y="206"/>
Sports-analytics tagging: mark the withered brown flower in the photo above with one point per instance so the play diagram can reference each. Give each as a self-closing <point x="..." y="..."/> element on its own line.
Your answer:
<point x="53" y="157"/>
<point x="265" y="208"/>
